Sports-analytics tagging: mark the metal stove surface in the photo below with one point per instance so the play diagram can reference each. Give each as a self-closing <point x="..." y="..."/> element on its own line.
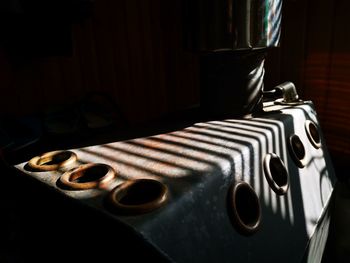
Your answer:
<point x="198" y="167"/>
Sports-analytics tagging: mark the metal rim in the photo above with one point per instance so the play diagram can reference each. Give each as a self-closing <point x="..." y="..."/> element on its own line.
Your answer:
<point x="276" y="173"/>
<point x="70" y="178"/>
<point x="149" y="195"/>
<point x="244" y="208"/>
<point x="313" y="134"/>
<point x="40" y="163"/>
<point x="297" y="150"/>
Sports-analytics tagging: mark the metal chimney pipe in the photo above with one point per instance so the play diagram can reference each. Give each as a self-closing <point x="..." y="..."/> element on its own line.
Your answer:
<point x="215" y="25"/>
<point x="232" y="38"/>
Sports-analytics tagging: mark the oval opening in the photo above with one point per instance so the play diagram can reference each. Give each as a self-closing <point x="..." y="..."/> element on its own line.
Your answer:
<point x="297" y="150"/>
<point x="88" y="176"/>
<point x="52" y="160"/>
<point x="57" y="158"/>
<point x="313" y="134"/>
<point x="139" y="196"/>
<point x="245" y="211"/>
<point x="276" y="174"/>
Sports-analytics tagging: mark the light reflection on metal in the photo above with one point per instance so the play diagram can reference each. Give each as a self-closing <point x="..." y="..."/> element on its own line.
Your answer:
<point x="313" y="134"/>
<point x="54" y="160"/>
<point x="218" y="155"/>
<point x="139" y="196"/>
<point x="297" y="150"/>
<point x="266" y="143"/>
<point x="244" y="208"/>
<point x="312" y="173"/>
<point x="271" y="132"/>
<point x="222" y="146"/>
<point x="204" y="129"/>
<point x="213" y="25"/>
<point x="289" y="93"/>
<point x="242" y="135"/>
<point x="88" y="176"/>
<point x="282" y="135"/>
<point x="276" y="173"/>
<point x="199" y="164"/>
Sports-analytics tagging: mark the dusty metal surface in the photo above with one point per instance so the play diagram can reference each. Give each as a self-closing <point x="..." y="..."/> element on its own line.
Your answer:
<point x="198" y="165"/>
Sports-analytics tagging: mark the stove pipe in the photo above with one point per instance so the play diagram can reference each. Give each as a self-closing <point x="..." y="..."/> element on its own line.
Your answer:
<point x="232" y="38"/>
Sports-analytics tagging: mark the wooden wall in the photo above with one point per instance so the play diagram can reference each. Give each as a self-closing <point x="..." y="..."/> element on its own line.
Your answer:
<point x="327" y="71"/>
<point x="129" y="49"/>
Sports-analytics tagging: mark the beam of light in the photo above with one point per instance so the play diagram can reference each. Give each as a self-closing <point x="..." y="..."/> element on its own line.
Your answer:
<point x="257" y="142"/>
<point x="273" y="135"/>
<point x="281" y="134"/>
